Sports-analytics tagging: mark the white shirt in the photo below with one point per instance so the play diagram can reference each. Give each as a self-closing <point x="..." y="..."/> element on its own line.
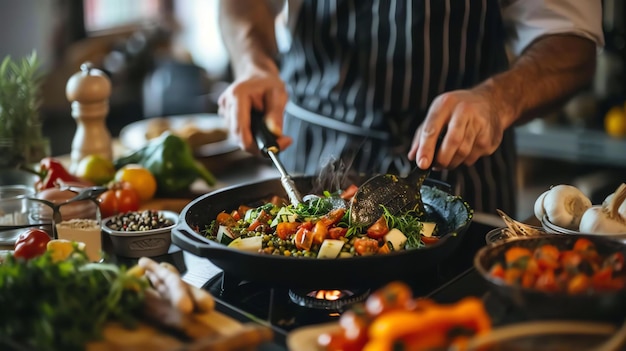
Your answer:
<point x="529" y="20"/>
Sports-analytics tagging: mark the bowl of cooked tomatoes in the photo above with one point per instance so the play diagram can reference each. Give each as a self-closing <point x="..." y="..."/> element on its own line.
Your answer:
<point x="558" y="276"/>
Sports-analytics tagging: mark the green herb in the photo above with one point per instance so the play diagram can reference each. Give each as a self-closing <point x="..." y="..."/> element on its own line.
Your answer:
<point x="63" y="305"/>
<point x="314" y="208"/>
<point x="409" y="224"/>
<point x="21" y="139"/>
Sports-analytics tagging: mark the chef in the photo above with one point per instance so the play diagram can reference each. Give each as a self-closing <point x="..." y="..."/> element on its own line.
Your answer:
<point x="371" y="84"/>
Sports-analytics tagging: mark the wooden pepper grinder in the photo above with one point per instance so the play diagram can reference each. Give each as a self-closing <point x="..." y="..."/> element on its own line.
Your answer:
<point x="89" y="91"/>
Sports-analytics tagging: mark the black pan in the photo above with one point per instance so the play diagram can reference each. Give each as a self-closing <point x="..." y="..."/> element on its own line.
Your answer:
<point x="453" y="213"/>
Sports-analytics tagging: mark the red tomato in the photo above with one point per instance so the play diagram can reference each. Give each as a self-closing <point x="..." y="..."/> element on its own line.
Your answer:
<point x="285" y="229"/>
<point x="304" y="238"/>
<point x="378" y="229"/>
<point x="349" y="192"/>
<point x="120" y="198"/>
<point x="31" y="243"/>
<point x="428" y="240"/>
<point x="337" y="232"/>
<point x="366" y="246"/>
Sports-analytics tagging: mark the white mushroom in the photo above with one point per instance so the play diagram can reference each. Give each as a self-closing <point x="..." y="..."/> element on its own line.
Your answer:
<point x="564" y="205"/>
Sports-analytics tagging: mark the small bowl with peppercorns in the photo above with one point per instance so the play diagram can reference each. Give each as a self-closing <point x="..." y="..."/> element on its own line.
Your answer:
<point x="141" y="233"/>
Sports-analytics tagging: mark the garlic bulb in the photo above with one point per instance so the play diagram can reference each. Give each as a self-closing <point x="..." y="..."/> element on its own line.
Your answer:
<point x="564" y="206"/>
<point x="606" y="219"/>
<point x="622" y="208"/>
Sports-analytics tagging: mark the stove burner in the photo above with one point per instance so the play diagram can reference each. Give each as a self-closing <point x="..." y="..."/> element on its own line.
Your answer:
<point x="334" y="300"/>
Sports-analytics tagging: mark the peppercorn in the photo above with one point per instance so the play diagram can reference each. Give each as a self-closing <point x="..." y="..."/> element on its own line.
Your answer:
<point x="139" y="221"/>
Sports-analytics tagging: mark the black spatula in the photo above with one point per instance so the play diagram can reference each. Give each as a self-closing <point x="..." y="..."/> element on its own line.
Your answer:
<point x="396" y="194"/>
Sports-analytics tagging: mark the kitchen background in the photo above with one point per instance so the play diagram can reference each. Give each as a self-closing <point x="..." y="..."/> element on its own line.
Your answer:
<point x="165" y="57"/>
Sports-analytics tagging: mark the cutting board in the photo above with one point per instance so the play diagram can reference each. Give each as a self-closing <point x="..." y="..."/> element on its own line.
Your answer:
<point x="164" y="327"/>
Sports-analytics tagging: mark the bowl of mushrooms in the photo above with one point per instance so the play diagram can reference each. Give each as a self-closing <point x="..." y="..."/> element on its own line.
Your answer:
<point x="564" y="209"/>
<point x="141" y="233"/>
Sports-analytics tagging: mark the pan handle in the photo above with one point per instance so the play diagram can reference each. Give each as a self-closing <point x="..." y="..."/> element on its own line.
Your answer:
<point x="266" y="141"/>
<point x="187" y="241"/>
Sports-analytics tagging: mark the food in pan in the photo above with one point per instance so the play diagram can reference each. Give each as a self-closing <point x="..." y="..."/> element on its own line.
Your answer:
<point x="189" y="131"/>
<point x="318" y="228"/>
<point x="579" y="269"/>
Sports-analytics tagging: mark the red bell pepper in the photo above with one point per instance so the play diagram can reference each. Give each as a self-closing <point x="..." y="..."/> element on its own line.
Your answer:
<point x="52" y="172"/>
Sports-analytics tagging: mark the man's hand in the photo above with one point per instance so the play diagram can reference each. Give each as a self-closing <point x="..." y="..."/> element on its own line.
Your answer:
<point x="263" y="92"/>
<point x="474" y="129"/>
<point x="541" y="79"/>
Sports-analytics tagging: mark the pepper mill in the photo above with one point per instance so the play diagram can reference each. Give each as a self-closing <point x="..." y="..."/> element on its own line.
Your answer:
<point x="89" y="91"/>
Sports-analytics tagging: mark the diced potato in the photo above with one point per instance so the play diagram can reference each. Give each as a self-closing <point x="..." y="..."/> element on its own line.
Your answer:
<point x="330" y="248"/>
<point x="396" y="238"/>
<point x="428" y="228"/>
<point x="253" y="244"/>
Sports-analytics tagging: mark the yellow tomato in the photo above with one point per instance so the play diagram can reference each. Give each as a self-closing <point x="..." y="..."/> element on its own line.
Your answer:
<point x="615" y="122"/>
<point x="140" y="179"/>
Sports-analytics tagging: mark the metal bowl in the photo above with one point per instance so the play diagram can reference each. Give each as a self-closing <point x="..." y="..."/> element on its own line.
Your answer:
<point x="553" y="228"/>
<point x="18" y="177"/>
<point x="148" y="243"/>
<point x="608" y="306"/>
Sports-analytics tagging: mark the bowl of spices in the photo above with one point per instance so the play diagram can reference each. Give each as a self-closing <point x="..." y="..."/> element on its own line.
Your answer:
<point x="140" y="233"/>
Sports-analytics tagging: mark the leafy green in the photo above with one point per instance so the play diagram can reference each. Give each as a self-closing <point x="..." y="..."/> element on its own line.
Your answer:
<point x="63" y="305"/>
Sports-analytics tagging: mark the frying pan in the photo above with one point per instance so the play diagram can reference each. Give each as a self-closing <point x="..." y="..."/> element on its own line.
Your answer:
<point x="454" y="216"/>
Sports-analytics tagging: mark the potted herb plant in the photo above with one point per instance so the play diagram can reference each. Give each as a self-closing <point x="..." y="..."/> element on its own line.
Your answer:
<point x="21" y="139"/>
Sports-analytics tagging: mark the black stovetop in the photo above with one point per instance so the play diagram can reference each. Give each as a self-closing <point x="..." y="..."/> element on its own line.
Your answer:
<point x="250" y="301"/>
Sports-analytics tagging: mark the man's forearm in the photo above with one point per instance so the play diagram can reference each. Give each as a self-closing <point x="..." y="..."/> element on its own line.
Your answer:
<point x="550" y="71"/>
<point x="247" y="27"/>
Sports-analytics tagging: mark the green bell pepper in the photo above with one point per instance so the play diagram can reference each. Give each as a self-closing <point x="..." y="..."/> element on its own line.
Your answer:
<point x="172" y="163"/>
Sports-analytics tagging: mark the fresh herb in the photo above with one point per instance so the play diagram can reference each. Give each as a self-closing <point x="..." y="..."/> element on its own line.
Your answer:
<point x="21" y="138"/>
<point x="409" y="224"/>
<point x="49" y="305"/>
<point x="314" y="208"/>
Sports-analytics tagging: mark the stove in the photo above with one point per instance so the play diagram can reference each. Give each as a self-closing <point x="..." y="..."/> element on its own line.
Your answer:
<point x="285" y="309"/>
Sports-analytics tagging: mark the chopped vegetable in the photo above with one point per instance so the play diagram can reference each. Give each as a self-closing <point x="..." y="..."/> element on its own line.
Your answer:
<point x="302" y="230"/>
<point x="31" y="243"/>
<point x="576" y="270"/>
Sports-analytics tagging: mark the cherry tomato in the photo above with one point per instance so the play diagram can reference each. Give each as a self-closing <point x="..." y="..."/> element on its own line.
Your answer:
<point x="337" y="232"/>
<point x="284" y="230"/>
<point x="304" y="238"/>
<point x="120" y="198"/>
<point x="378" y="229"/>
<point x="349" y="192"/>
<point x="31" y="243"/>
<point x="366" y="246"/>
<point x="429" y="240"/>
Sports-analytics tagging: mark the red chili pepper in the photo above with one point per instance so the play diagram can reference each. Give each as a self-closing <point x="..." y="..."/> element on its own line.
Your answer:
<point x="51" y="172"/>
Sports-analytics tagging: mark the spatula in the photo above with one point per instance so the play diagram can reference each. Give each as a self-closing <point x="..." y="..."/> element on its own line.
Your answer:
<point x="266" y="141"/>
<point x="392" y="192"/>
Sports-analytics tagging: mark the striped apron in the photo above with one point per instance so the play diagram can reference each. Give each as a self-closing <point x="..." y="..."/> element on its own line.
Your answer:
<point x="361" y="75"/>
